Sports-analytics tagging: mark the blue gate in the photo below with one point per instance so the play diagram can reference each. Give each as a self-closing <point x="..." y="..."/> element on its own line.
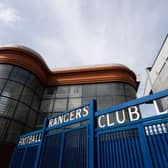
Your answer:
<point x="114" y="137"/>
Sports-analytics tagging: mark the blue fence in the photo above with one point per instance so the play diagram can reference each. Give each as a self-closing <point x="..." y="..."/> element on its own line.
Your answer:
<point x="83" y="137"/>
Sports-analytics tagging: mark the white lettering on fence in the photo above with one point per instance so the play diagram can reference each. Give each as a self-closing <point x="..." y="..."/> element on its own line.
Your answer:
<point x="118" y="117"/>
<point x="69" y="116"/>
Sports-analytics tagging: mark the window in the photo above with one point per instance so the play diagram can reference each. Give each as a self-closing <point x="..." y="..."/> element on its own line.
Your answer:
<point x="74" y="102"/>
<point x="2" y="83"/>
<point x="21" y="112"/>
<point x="27" y="96"/>
<point x="7" y="106"/>
<point x="3" y="128"/>
<point x="103" y="89"/>
<point x="117" y="89"/>
<point x="49" y="92"/>
<point x="62" y="91"/>
<point x="12" y="89"/>
<point x="104" y="102"/>
<point x="5" y="70"/>
<point x="36" y="102"/>
<point x="89" y="90"/>
<point x="31" y="118"/>
<point x="60" y="105"/>
<point x="75" y="91"/>
<point x="19" y="75"/>
<point x="46" y="106"/>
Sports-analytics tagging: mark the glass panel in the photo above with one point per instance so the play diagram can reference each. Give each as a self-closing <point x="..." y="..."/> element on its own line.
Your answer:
<point x="19" y="74"/>
<point x="130" y="91"/>
<point x="103" y="89"/>
<point x="14" y="130"/>
<point x="49" y="92"/>
<point x="31" y="118"/>
<point x="46" y="106"/>
<point x="62" y="91"/>
<point x="75" y="91"/>
<point x="40" y="121"/>
<point x="27" y="96"/>
<point x="3" y="128"/>
<point x="104" y="102"/>
<point x="32" y="82"/>
<point x="118" y="100"/>
<point x="60" y="105"/>
<point x="7" y="106"/>
<point x="74" y="102"/>
<point x="12" y="89"/>
<point x="39" y="89"/>
<point x="5" y="70"/>
<point x="21" y="112"/>
<point x="117" y="89"/>
<point x="89" y="90"/>
<point x="2" y="82"/>
<point x="36" y="102"/>
<point x="86" y="100"/>
<point x="129" y="98"/>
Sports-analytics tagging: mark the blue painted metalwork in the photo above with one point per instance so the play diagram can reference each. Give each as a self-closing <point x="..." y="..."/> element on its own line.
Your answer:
<point x="141" y="143"/>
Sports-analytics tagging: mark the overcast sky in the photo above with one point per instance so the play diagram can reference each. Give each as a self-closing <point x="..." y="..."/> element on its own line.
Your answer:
<point x="70" y="33"/>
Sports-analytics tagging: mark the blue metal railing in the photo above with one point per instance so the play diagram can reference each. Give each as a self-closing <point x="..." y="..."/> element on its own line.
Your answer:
<point x="140" y="143"/>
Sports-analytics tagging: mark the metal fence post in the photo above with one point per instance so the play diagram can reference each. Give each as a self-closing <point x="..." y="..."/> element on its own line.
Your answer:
<point x="62" y="150"/>
<point x="91" y="134"/>
<point x="40" y="145"/>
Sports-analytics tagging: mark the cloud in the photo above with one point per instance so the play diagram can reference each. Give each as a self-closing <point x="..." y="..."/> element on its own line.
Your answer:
<point x="8" y="15"/>
<point x="87" y="32"/>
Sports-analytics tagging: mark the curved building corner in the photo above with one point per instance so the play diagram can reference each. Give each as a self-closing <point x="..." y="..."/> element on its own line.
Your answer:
<point x="30" y="91"/>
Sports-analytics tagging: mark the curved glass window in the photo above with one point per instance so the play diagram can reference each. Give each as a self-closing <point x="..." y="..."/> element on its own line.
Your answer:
<point x="3" y="127"/>
<point x="20" y="97"/>
<point x="47" y="106"/>
<point x="27" y="96"/>
<point x="19" y="75"/>
<point x="7" y="106"/>
<point x="21" y="113"/>
<point x="36" y="102"/>
<point x="31" y="118"/>
<point x="5" y="70"/>
<point x="2" y="84"/>
<point x="12" y="89"/>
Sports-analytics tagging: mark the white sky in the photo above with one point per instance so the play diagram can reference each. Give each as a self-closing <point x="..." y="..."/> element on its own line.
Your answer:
<point x="70" y="33"/>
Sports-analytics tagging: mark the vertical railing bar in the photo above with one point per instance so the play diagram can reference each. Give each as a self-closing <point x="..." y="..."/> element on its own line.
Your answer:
<point x="98" y="150"/>
<point x="144" y="147"/>
<point x="61" y="150"/>
<point x="138" y="149"/>
<point x="111" y="154"/>
<point x="123" y="153"/>
<point x="108" y="149"/>
<point x="160" y="147"/>
<point x="134" y="148"/>
<point x="130" y="149"/>
<point x="119" y="137"/>
<point x="113" y="147"/>
<point x="91" y="133"/>
<point x="164" y="140"/>
<point x="40" y="144"/>
<point x="126" y="148"/>
<point x="155" y="146"/>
